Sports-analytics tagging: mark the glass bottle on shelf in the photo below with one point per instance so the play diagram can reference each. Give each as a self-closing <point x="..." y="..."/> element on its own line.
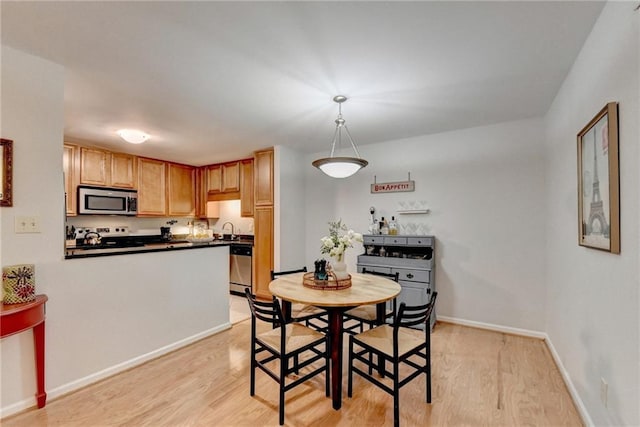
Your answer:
<point x="393" y="226"/>
<point x="384" y="226"/>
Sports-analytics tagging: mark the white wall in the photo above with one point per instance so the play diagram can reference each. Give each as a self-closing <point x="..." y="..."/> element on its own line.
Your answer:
<point x="32" y="116"/>
<point x="104" y="314"/>
<point x="485" y="190"/>
<point x="289" y="210"/>
<point x="592" y="298"/>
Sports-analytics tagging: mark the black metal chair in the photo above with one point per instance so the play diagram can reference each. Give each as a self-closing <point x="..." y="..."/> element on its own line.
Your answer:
<point x="303" y="312"/>
<point x="397" y="345"/>
<point x="285" y="343"/>
<point x="367" y="314"/>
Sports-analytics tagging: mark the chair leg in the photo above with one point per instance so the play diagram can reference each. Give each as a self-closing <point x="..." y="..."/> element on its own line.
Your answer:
<point x="429" y="383"/>
<point x="327" y="379"/>
<point x="350" y="374"/>
<point x="428" y="365"/>
<point x="396" y="396"/>
<point x="381" y="362"/>
<point x="252" y="390"/>
<point x="283" y="367"/>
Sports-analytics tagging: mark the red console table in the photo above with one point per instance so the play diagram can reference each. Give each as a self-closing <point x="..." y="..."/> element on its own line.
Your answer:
<point x="16" y="318"/>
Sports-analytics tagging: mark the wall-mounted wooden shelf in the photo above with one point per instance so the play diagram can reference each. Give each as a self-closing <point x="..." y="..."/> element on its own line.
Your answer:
<point x="413" y="211"/>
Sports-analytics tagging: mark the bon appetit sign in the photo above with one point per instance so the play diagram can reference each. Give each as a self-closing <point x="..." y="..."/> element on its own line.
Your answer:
<point x="393" y="187"/>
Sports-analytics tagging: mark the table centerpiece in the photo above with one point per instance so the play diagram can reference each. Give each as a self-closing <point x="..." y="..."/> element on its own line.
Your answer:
<point x="340" y="238"/>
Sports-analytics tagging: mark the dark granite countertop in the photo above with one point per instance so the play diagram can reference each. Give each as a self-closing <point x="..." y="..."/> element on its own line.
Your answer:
<point x="89" y="252"/>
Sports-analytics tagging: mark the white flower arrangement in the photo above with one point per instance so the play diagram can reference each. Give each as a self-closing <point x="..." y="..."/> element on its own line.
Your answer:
<point x="338" y="240"/>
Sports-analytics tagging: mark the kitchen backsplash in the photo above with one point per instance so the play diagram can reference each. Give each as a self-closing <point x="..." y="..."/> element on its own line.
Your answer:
<point x="229" y="211"/>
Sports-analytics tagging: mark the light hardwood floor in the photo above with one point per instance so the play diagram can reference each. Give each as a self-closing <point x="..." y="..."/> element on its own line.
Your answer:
<point x="480" y="378"/>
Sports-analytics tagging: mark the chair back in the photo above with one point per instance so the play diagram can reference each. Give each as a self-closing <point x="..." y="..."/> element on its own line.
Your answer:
<point x="411" y="315"/>
<point x="275" y="274"/>
<point x="269" y="312"/>
<point x="395" y="276"/>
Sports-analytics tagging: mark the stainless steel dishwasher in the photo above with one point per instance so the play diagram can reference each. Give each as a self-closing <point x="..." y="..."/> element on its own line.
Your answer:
<point x="240" y="268"/>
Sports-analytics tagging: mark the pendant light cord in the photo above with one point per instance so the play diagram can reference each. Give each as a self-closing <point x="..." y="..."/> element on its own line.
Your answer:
<point x="337" y="135"/>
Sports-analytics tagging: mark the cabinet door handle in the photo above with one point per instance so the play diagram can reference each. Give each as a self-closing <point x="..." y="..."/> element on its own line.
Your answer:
<point x="409" y="276"/>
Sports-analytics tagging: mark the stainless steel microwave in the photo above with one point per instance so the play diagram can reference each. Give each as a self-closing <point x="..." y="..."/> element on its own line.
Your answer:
<point x="107" y="201"/>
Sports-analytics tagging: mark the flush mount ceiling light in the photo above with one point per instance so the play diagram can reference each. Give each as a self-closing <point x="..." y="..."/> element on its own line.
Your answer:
<point x="133" y="136"/>
<point x="340" y="167"/>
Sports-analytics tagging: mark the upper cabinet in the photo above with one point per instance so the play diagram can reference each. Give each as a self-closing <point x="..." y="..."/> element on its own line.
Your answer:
<point x="93" y="166"/>
<point x="181" y="190"/>
<point x="70" y="168"/>
<point x="212" y="177"/>
<point x="123" y="170"/>
<point x="152" y="199"/>
<point x="263" y="177"/>
<point x="246" y="188"/>
<point x="222" y="178"/>
<point x="225" y="181"/>
<point x="230" y="177"/>
<point x="104" y="168"/>
<point x="165" y="188"/>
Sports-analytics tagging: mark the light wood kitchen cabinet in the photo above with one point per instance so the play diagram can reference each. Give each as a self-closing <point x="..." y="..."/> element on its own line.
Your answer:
<point x="123" y="170"/>
<point x="104" y="168"/>
<point x="213" y="179"/>
<point x="181" y="190"/>
<point x="152" y="199"/>
<point x="246" y="188"/>
<point x="70" y="169"/>
<point x="93" y="166"/>
<point x="263" y="250"/>
<point x="222" y="178"/>
<point x="263" y="177"/>
<point x="201" y="195"/>
<point x="263" y="221"/>
<point x="230" y="177"/>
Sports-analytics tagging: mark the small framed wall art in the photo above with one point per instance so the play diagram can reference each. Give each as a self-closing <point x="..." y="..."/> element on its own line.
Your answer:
<point x="6" y="172"/>
<point x="599" y="182"/>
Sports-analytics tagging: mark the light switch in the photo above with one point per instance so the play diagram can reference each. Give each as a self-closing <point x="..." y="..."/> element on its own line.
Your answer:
<point x="27" y="224"/>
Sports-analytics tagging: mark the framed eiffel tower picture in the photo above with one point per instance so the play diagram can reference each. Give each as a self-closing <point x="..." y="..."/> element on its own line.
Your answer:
<point x="599" y="182"/>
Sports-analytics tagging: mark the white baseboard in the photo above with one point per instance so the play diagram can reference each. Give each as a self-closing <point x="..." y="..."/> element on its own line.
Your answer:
<point x="100" y="375"/>
<point x="493" y="327"/>
<point x="582" y="410"/>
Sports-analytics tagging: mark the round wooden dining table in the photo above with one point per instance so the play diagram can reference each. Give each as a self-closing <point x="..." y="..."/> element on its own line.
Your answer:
<point x="365" y="289"/>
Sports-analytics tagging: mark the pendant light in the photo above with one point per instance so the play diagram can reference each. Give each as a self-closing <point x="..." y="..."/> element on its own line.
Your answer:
<point x="340" y="167"/>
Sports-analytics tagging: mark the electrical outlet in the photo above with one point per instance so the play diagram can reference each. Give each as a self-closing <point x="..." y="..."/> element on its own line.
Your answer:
<point x="604" y="392"/>
<point x="27" y="224"/>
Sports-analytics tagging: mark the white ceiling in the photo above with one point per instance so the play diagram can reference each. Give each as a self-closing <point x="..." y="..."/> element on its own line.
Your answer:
<point x="214" y="81"/>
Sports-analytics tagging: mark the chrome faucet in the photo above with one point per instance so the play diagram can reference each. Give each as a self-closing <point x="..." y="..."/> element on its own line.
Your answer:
<point x="232" y="229"/>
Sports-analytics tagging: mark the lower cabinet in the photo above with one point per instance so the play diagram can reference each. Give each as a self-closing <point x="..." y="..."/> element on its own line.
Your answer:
<point x="262" y="250"/>
<point x="412" y="257"/>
